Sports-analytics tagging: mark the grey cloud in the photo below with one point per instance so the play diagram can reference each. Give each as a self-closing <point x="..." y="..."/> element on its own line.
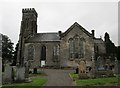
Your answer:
<point x="60" y="16"/>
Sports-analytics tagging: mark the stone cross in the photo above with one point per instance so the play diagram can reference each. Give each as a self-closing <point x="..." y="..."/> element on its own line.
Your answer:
<point x="27" y="79"/>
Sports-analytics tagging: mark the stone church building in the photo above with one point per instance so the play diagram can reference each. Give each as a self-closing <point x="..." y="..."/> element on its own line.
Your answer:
<point x="61" y="49"/>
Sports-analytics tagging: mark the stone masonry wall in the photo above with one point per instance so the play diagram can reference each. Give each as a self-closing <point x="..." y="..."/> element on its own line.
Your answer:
<point x="64" y="47"/>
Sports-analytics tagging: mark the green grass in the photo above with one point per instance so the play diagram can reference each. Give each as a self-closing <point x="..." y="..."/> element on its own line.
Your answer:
<point x="92" y="82"/>
<point x="97" y="81"/>
<point x="36" y="83"/>
<point x="73" y="76"/>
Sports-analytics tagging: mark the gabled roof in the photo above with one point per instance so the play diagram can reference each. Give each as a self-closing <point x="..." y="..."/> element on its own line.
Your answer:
<point x="76" y="24"/>
<point x="44" y="37"/>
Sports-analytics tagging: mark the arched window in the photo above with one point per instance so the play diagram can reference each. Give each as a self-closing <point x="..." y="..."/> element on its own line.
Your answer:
<point x="76" y="46"/>
<point x="71" y="48"/>
<point x="82" y="47"/>
<point x="31" y="52"/>
<point x="43" y="53"/>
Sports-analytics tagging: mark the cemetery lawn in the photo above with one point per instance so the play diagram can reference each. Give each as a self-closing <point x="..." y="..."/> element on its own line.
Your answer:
<point x="93" y="82"/>
<point x="36" y="83"/>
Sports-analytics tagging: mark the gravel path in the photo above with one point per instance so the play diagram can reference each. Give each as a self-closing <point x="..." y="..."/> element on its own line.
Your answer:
<point x="58" y="77"/>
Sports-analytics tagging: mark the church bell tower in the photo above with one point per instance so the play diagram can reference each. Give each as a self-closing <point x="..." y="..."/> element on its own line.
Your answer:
<point x="28" y="29"/>
<point x="29" y="22"/>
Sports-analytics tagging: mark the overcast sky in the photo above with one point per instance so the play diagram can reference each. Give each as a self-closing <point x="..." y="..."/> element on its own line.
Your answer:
<point x="54" y="16"/>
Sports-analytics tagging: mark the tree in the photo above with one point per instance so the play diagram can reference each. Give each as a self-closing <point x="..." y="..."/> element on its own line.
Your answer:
<point x="15" y="54"/>
<point x="118" y="53"/>
<point x="7" y="49"/>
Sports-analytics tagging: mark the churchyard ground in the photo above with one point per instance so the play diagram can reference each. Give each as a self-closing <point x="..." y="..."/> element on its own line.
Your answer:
<point x="106" y="81"/>
<point x="36" y="83"/>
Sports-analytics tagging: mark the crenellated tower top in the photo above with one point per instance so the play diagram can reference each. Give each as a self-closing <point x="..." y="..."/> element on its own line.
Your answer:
<point x="29" y="13"/>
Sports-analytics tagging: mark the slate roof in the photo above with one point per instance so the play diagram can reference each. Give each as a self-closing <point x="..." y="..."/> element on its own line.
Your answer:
<point x="44" y="37"/>
<point x="54" y="37"/>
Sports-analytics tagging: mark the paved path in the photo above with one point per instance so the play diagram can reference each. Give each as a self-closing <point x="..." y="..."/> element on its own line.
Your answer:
<point x="58" y="77"/>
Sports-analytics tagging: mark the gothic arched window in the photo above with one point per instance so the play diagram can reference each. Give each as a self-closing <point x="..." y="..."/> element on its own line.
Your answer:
<point x="76" y="46"/>
<point x="43" y="53"/>
<point x="82" y="47"/>
<point x="71" y="48"/>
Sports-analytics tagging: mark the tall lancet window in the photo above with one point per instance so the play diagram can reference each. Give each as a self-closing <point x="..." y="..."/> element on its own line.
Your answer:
<point x="82" y="47"/>
<point x="76" y="46"/>
<point x="71" y="48"/>
<point x="43" y="52"/>
<point x="30" y="52"/>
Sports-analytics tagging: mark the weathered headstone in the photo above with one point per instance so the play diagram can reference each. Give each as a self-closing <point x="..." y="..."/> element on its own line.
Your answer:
<point x="27" y="79"/>
<point x="20" y="74"/>
<point x="109" y="71"/>
<point x="82" y="70"/>
<point x="108" y="64"/>
<point x="7" y="74"/>
<point x="100" y="63"/>
<point x="82" y="67"/>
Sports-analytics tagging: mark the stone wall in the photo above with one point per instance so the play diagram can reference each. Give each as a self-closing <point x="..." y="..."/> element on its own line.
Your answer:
<point x="64" y="50"/>
<point x="37" y="53"/>
<point x="64" y="46"/>
<point x="100" y="46"/>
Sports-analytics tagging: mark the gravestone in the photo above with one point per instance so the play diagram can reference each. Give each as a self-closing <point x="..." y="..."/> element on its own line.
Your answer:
<point x="20" y="74"/>
<point x="82" y="70"/>
<point x="100" y="63"/>
<point x="109" y="71"/>
<point x="107" y="64"/>
<point x="7" y="74"/>
<point x="27" y="79"/>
